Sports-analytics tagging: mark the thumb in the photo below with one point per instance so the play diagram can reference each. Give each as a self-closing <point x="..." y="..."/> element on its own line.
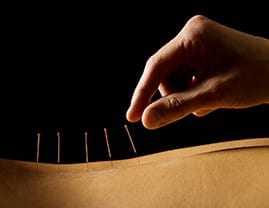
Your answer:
<point x="178" y="105"/>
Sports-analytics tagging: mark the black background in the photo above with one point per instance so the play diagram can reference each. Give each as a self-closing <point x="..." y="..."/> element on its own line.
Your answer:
<point x="73" y="67"/>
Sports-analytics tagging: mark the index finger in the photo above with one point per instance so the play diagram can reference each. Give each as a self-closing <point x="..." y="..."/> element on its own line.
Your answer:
<point x="165" y="60"/>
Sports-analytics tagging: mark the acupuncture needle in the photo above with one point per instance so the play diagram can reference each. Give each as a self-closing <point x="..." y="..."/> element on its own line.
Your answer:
<point x="130" y="139"/>
<point x="58" y="149"/>
<point x="86" y="148"/>
<point x="108" y="146"/>
<point x="38" y="148"/>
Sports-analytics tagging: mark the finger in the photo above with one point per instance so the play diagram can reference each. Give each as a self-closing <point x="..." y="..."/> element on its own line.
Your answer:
<point x="178" y="105"/>
<point x="167" y="59"/>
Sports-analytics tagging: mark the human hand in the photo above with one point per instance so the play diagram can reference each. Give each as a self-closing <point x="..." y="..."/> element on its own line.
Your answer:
<point x="207" y="66"/>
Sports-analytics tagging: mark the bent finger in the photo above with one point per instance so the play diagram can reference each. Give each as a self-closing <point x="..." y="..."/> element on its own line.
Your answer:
<point x="178" y="105"/>
<point x="167" y="59"/>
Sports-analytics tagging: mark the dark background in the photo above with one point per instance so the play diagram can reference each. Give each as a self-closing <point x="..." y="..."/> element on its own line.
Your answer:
<point x="73" y="67"/>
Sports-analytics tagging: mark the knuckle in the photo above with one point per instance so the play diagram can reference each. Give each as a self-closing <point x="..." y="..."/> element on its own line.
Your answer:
<point x="175" y="105"/>
<point x="198" y="21"/>
<point x="152" y="62"/>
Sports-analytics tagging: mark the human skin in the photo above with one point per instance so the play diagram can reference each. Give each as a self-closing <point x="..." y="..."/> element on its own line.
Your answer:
<point x="226" y="174"/>
<point x="206" y="66"/>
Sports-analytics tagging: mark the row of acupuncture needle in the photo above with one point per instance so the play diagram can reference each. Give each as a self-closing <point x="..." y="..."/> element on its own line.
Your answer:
<point x="86" y="139"/>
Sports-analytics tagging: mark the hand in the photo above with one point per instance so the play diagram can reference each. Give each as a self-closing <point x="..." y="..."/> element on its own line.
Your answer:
<point x="207" y="66"/>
